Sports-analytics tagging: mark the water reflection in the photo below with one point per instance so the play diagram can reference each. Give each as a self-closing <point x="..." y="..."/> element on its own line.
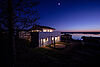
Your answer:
<point x="78" y="36"/>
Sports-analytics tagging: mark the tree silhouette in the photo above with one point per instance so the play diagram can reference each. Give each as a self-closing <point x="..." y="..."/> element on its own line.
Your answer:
<point x="26" y="15"/>
<point x="22" y="14"/>
<point x="14" y="16"/>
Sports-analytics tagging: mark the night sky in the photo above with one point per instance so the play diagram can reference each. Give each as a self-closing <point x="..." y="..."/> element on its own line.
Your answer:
<point x="70" y="15"/>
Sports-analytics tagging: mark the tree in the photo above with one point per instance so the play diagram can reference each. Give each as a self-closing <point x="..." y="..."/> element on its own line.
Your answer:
<point x="25" y="8"/>
<point x="23" y="12"/>
<point x="15" y="16"/>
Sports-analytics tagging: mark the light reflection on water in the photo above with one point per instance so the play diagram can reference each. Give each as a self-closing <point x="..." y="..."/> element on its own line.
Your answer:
<point x="78" y="36"/>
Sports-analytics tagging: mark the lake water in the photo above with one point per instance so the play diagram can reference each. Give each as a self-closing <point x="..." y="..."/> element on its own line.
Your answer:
<point x="78" y="36"/>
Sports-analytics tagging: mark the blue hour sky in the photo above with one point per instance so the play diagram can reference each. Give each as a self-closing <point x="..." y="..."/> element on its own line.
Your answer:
<point x="70" y="15"/>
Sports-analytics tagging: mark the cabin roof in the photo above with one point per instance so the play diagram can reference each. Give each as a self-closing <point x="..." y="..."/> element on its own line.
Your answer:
<point x="38" y="27"/>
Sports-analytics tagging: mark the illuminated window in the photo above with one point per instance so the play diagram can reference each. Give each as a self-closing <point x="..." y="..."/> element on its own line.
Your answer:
<point x="47" y="30"/>
<point x="36" y="30"/>
<point x="44" y="30"/>
<point x="32" y="30"/>
<point x="51" y="30"/>
<point x="44" y="40"/>
<point x="41" y="41"/>
<point x="56" y="38"/>
<point x="52" y="38"/>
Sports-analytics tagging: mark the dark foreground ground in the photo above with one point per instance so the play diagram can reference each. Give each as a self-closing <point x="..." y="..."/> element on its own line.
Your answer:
<point x="73" y="55"/>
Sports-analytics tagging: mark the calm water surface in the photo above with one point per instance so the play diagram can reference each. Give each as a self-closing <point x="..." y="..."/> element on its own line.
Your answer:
<point x="78" y="36"/>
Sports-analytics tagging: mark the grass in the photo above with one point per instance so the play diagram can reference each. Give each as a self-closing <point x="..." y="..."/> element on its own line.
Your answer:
<point x="29" y="57"/>
<point x="43" y="56"/>
<point x="38" y="56"/>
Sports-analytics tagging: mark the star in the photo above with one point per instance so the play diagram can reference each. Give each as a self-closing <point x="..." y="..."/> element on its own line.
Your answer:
<point x="59" y="4"/>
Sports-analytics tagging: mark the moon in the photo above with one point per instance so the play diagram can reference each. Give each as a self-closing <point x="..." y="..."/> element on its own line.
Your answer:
<point x="59" y="3"/>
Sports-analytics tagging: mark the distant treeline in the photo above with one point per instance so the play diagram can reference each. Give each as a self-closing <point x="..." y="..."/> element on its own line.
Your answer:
<point x="80" y="32"/>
